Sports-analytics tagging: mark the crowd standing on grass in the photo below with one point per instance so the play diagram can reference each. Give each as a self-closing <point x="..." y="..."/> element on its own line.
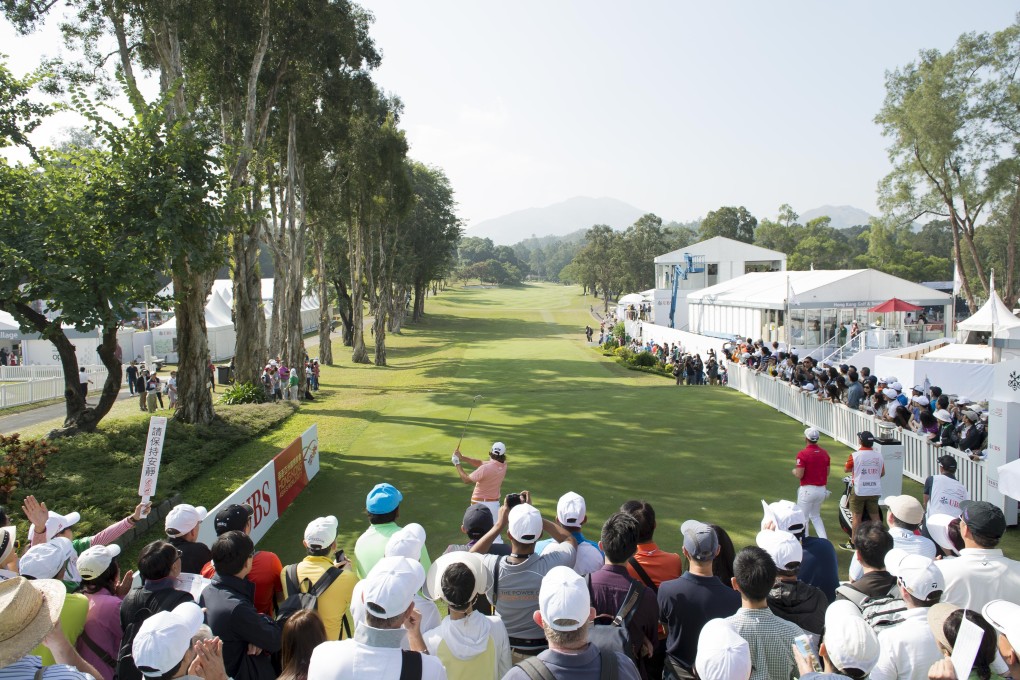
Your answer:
<point x="526" y="596"/>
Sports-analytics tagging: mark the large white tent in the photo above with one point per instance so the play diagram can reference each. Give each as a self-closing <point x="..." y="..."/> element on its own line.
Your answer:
<point x="819" y="303"/>
<point x="994" y="317"/>
<point x="219" y="320"/>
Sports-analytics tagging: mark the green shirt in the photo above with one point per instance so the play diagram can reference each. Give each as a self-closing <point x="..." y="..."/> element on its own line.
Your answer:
<point x="72" y="622"/>
<point x="371" y="547"/>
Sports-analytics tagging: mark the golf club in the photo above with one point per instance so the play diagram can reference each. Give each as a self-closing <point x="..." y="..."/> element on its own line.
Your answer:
<point x="464" y="429"/>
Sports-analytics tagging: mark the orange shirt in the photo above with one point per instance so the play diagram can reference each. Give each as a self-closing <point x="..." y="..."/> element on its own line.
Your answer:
<point x="659" y="565"/>
<point x="265" y="574"/>
<point x="488" y="479"/>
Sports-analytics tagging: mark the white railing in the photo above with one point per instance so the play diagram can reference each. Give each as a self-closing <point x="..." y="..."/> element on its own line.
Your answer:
<point x="18" y="373"/>
<point x="29" y="390"/>
<point x="843" y="424"/>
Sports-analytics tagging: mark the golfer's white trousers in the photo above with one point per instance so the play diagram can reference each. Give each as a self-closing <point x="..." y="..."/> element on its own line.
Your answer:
<point x="809" y="499"/>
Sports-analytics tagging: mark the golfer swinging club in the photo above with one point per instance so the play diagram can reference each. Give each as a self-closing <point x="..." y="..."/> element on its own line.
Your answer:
<point x="487" y="477"/>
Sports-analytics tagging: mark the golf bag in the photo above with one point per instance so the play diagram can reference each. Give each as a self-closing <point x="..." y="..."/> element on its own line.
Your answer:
<point x="846" y="518"/>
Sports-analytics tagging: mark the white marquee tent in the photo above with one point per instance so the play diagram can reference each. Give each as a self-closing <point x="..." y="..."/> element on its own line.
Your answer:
<point x="818" y="303"/>
<point x="993" y="317"/>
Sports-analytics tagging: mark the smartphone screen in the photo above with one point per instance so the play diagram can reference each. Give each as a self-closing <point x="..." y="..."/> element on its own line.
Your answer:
<point x="803" y="643"/>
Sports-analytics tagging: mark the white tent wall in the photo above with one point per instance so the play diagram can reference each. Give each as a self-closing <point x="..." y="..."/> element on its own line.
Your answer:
<point x="44" y="352"/>
<point x="690" y="342"/>
<point x="973" y="381"/>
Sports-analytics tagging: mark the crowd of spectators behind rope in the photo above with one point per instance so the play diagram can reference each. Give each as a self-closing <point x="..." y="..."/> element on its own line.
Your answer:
<point x="943" y="419"/>
<point x="518" y="606"/>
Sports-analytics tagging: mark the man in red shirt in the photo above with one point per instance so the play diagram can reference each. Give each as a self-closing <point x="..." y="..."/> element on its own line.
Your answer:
<point x="265" y="565"/>
<point x="812" y="470"/>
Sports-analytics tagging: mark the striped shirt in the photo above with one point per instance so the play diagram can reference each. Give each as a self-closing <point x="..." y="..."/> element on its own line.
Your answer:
<point x="27" y="666"/>
<point x="770" y="640"/>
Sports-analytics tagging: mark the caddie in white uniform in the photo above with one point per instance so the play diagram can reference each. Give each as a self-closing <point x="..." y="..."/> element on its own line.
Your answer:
<point x="867" y="467"/>
<point x="942" y="492"/>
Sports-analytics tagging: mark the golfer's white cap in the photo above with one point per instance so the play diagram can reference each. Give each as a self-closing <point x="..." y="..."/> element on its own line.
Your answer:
<point x="498" y="449"/>
<point x="811" y="434"/>
<point x="917" y="573"/>
<point x="722" y="653"/>
<point x="92" y="563"/>
<point x="783" y="547"/>
<point x="525" y="523"/>
<point x="321" y="532"/>
<point x="571" y="510"/>
<point x="183" y="518"/>
<point x="563" y="599"/>
<point x="407" y="542"/>
<point x="391" y="585"/>
<point x="1005" y="618"/>
<point x="163" y="639"/>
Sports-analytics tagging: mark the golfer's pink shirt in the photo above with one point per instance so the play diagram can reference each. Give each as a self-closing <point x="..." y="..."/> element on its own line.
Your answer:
<point x="488" y="478"/>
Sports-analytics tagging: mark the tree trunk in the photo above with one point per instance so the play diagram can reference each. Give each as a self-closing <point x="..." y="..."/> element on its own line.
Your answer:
<point x="292" y="255"/>
<point x="249" y="317"/>
<point x="359" y="353"/>
<point x="345" y="309"/>
<point x="194" y="399"/>
<point x="419" y="300"/>
<point x="325" y="317"/>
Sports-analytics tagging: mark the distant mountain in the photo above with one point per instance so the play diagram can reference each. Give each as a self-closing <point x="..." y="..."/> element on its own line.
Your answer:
<point x="557" y="219"/>
<point x="842" y="216"/>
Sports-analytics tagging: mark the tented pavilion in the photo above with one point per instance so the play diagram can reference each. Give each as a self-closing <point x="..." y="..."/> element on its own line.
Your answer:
<point x="805" y="309"/>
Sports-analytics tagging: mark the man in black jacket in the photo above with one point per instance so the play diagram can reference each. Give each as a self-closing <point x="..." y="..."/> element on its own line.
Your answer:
<point x="159" y="565"/>
<point x="789" y="598"/>
<point x="230" y="611"/>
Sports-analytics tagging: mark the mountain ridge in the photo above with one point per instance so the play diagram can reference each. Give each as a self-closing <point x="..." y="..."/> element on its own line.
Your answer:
<point x="556" y="219"/>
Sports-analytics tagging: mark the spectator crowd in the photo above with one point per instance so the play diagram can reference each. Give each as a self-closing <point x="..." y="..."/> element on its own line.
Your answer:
<point x="524" y="595"/>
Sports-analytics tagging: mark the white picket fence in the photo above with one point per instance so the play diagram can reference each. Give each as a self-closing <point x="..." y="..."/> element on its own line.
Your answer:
<point x="842" y="424"/>
<point x="41" y="383"/>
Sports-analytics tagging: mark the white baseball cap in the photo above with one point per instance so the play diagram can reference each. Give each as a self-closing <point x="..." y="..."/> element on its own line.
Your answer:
<point x="783" y="547"/>
<point x="787" y="515"/>
<point x="93" y="562"/>
<point x="525" y="523"/>
<point x="589" y="559"/>
<point x="906" y="508"/>
<point x="1005" y="618"/>
<point x="917" y="573"/>
<point x="407" y="542"/>
<point x="391" y="585"/>
<point x="44" y="560"/>
<point x="563" y="599"/>
<point x="722" y="653"/>
<point x="183" y="518"/>
<point x="943" y="415"/>
<point x="55" y="524"/>
<point x="163" y="639"/>
<point x="891" y="379"/>
<point x="890" y="393"/>
<point x="849" y="640"/>
<point x="571" y="510"/>
<point x="321" y="532"/>
<point x="434" y="579"/>
<point x="922" y="400"/>
<point x="938" y="529"/>
<point x="898" y="386"/>
<point x="498" y="449"/>
<point x="811" y="434"/>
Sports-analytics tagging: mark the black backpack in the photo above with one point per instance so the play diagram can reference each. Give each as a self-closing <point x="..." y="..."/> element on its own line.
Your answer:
<point x="610" y="633"/>
<point x="125" y="668"/>
<point x="309" y="599"/>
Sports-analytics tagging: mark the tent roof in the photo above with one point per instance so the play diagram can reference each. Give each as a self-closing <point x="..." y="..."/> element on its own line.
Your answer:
<point x="721" y="249"/>
<point x="820" y="288"/>
<point x="631" y="298"/>
<point x="993" y="316"/>
<point x="8" y="323"/>
<point x="980" y="354"/>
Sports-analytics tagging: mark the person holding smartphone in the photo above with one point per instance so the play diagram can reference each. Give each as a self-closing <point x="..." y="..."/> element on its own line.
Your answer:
<point x="323" y="556"/>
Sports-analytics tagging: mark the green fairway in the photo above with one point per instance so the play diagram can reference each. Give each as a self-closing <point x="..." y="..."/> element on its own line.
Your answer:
<point x="571" y="420"/>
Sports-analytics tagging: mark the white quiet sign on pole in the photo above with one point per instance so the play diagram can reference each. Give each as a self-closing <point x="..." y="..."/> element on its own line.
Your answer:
<point x="151" y="458"/>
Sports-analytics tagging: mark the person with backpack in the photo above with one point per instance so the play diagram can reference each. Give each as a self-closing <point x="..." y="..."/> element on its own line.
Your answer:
<point x="249" y="638"/>
<point x="159" y="565"/>
<point x="320" y="582"/>
<point x="391" y="621"/>
<point x="612" y="587"/>
<point x="790" y="598"/>
<point x="564" y="610"/>
<point x="909" y="648"/>
<point x="873" y="544"/>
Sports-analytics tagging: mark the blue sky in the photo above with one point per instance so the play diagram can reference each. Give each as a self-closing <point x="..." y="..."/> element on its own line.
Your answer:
<point x="675" y="107"/>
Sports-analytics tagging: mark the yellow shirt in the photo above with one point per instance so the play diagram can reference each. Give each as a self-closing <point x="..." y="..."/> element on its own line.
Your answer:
<point x="332" y="604"/>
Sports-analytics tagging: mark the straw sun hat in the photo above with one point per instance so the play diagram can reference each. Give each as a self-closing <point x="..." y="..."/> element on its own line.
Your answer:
<point x="30" y="610"/>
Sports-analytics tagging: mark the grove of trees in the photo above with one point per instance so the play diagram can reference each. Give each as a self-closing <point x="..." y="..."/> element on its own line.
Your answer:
<point x="265" y="131"/>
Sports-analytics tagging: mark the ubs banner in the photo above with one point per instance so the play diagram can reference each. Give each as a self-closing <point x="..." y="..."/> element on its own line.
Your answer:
<point x="273" y="488"/>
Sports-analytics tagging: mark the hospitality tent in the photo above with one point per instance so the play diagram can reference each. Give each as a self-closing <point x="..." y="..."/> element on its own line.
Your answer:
<point x="10" y="331"/>
<point x="993" y="318"/>
<point x="805" y="309"/>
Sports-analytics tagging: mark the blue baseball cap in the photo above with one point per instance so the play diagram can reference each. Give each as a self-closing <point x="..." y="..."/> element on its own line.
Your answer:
<point x="383" y="498"/>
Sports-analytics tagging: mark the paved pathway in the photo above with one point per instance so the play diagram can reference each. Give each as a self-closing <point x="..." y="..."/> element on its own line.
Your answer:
<point x="19" y="421"/>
